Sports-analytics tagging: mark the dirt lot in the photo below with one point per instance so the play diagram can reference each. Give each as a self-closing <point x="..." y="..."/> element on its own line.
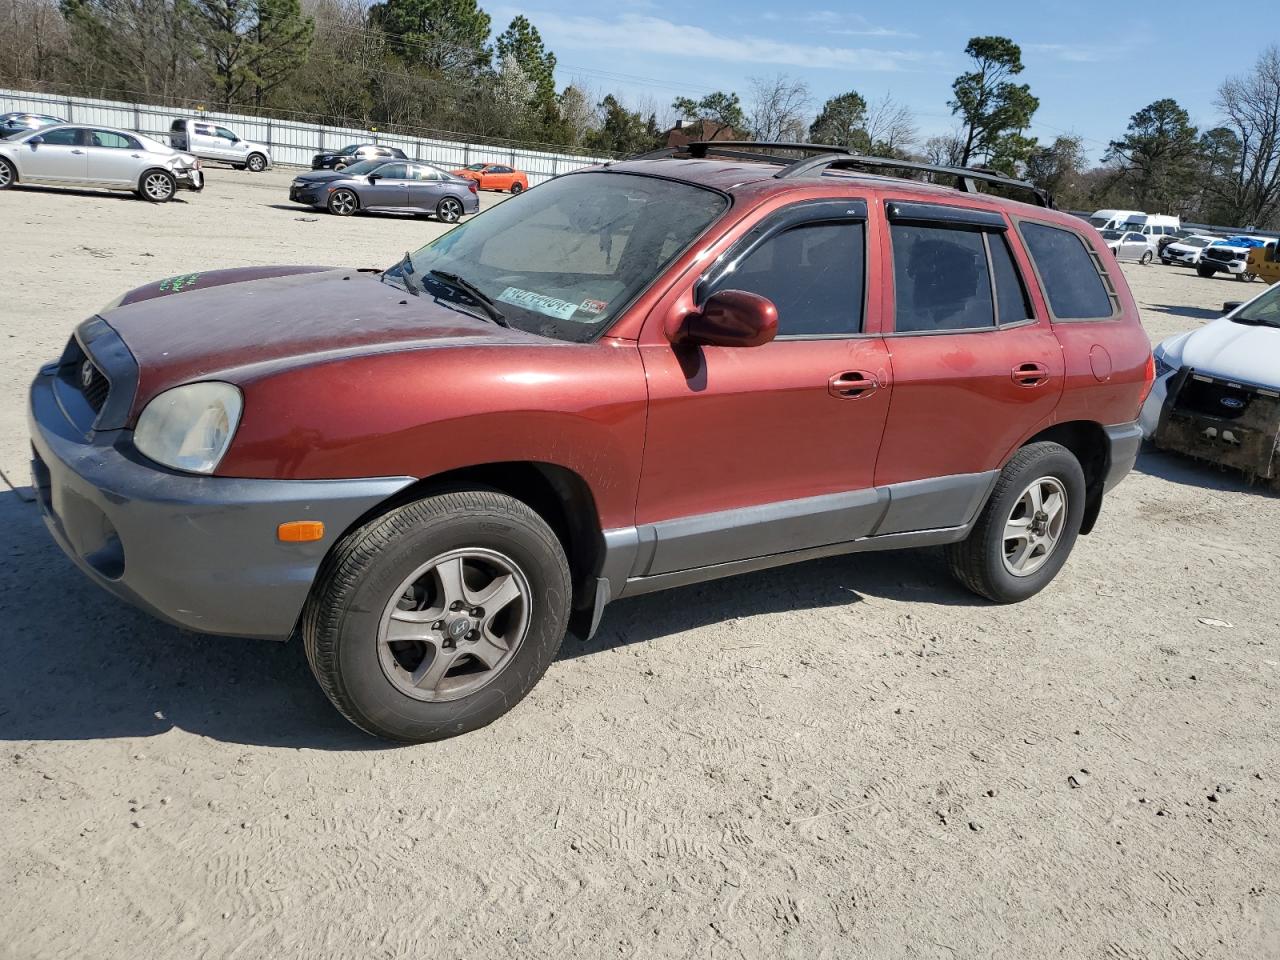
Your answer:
<point x="853" y="757"/>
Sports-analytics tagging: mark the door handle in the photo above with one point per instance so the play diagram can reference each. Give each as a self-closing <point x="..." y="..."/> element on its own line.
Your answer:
<point x="1030" y="374"/>
<point x="852" y="385"/>
<point x="78" y="151"/>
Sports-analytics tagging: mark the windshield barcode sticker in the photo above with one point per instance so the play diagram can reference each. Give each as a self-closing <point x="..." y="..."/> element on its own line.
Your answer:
<point x="551" y="306"/>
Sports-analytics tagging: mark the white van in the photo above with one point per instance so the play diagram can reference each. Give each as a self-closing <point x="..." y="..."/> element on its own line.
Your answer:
<point x="208" y="141"/>
<point x="1113" y="219"/>
<point x="1153" y="226"/>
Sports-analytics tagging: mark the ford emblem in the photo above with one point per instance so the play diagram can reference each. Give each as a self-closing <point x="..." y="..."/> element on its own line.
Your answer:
<point x="1231" y="403"/>
<point x="86" y="375"/>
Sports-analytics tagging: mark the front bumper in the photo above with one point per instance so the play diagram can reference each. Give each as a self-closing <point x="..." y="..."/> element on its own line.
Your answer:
<point x="1216" y="419"/>
<point x="1219" y="266"/>
<point x="312" y="196"/>
<point x="199" y="552"/>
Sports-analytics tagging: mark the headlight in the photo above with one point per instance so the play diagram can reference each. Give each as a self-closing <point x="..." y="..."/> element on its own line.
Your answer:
<point x="190" y="427"/>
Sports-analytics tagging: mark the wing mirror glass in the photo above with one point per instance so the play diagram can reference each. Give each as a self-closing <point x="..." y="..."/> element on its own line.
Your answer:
<point x="1230" y="305"/>
<point x="36" y="140"/>
<point x="374" y="177"/>
<point x="730" y="318"/>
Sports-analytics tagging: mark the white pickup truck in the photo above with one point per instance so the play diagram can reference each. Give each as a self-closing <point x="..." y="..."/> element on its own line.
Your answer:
<point x="208" y="141"/>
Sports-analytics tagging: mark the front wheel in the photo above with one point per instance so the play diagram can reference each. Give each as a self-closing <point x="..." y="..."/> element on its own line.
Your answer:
<point x="255" y="163"/>
<point x="343" y="203"/>
<point x="449" y="210"/>
<point x="157" y="186"/>
<point x="1206" y="272"/>
<point x="1027" y="529"/>
<point x="1246" y="277"/>
<point x="438" y="617"/>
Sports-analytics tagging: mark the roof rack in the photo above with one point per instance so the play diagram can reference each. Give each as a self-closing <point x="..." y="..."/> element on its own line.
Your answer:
<point x="839" y="158"/>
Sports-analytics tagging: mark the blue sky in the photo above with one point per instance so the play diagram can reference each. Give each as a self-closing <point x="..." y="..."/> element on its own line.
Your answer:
<point x="1092" y="64"/>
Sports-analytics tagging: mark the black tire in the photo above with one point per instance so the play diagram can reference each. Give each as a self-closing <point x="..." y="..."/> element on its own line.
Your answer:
<point x="1203" y="271"/>
<point x="255" y="163"/>
<point x="449" y="210"/>
<point x="1146" y="258"/>
<point x="157" y="186"/>
<point x="517" y="188"/>
<point x="978" y="562"/>
<point x="8" y="174"/>
<point x="359" y="581"/>
<point x="1246" y="277"/>
<point x="343" y="203"/>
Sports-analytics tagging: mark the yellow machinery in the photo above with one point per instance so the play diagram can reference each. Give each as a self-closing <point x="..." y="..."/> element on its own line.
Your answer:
<point x="1264" y="262"/>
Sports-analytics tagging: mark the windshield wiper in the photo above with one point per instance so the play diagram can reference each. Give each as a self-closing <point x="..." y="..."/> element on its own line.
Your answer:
<point x="406" y="271"/>
<point x="469" y="288"/>
<point x="1256" y="321"/>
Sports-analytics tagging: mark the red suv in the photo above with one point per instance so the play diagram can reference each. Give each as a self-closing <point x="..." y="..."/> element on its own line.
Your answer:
<point x="638" y="376"/>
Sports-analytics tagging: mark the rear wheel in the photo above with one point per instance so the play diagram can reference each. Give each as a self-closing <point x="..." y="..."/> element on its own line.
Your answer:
<point x="517" y="188"/>
<point x="1146" y="258"/>
<point x="438" y="617"/>
<point x="343" y="203"/>
<point x="1027" y="529"/>
<point x="8" y="175"/>
<point x="255" y="162"/>
<point x="1246" y="277"/>
<point x="449" y="210"/>
<point x="157" y="186"/>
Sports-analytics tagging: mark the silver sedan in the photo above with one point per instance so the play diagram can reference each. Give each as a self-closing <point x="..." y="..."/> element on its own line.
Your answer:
<point x="71" y="155"/>
<point x="395" y="186"/>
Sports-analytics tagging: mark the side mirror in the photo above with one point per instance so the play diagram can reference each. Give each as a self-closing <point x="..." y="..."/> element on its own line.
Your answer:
<point x="1230" y="305"/>
<point x="374" y="177"/>
<point x="730" y="318"/>
<point x="36" y="140"/>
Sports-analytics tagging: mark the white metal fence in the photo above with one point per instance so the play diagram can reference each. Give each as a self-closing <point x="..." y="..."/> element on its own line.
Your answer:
<point x="291" y="142"/>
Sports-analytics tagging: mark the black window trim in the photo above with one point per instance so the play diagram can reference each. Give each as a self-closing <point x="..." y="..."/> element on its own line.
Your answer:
<point x="803" y="213"/>
<point x="962" y="219"/>
<point x="1108" y="284"/>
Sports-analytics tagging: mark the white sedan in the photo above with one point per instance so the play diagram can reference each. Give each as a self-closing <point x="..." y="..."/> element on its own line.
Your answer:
<point x="1217" y="390"/>
<point x="71" y="155"/>
<point x="1130" y="245"/>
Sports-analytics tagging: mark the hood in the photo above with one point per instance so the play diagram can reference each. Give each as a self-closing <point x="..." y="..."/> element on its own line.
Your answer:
<point x="324" y="176"/>
<point x="241" y="330"/>
<point x="1235" y="350"/>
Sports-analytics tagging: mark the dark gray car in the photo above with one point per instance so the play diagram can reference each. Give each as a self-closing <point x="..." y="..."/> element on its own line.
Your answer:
<point x="395" y="186"/>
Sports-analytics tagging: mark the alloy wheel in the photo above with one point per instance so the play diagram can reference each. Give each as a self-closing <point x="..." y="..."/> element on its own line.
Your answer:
<point x="158" y="186"/>
<point x="1034" y="527"/>
<point x="6" y="175"/>
<point x="449" y="210"/>
<point x="454" y="624"/>
<point x="256" y="164"/>
<point x="343" y="203"/>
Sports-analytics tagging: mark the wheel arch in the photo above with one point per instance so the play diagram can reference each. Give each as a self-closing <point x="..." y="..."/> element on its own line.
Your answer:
<point x="1087" y="441"/>
<point x="557" y="494"/>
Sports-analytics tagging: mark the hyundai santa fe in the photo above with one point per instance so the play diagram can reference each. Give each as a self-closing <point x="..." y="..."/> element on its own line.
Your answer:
<point x="637" y="376"/>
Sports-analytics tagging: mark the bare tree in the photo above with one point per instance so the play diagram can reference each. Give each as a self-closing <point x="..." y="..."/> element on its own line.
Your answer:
<point x="778" y="108"/>
<point x="946" y="150"/>
<point x="891" y="128"/>
<point x="32" y="35"/>
<point x="1251" y="104"/>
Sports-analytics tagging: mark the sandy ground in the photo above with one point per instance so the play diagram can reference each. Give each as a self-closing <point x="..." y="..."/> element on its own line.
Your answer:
<point x="849" y="758"/>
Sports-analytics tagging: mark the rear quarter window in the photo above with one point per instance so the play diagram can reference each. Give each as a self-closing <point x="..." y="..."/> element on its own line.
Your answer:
<point x="1069" y="273"/>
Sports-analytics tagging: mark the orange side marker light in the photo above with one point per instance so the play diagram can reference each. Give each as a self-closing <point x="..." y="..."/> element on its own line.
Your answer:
<point x="300" y="531"/>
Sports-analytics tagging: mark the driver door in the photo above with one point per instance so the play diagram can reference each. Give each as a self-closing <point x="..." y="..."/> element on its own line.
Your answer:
<point x="753" y="451"/>
<point x="388" y="187"/>
<point x="59" y="158"/>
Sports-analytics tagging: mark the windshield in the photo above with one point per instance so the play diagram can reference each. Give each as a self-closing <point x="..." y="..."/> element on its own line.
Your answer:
<point x="1099" y="221"/>
<point x="564" y="259"/>
<point x="474" y="166"/>
<point x="1265" y="310"/>
<point x="1194" y="242"/>
<point x="1112" y="234"/>
<point x="349" y="150"/>
<point x="360" y="168"/>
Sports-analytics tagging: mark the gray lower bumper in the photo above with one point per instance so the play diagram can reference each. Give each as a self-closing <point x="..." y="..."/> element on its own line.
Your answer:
<point x="199" y="552"/>
<point x="1124" y="441"/>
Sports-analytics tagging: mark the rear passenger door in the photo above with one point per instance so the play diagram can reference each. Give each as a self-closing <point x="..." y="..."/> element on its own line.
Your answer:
<point x="752" y="451"/>
<point x="975" y="370"/>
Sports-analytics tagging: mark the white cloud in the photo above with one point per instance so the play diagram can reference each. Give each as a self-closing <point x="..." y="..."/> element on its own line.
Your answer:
<point x="648" y="34"/>
<point x="1077" y="52"/>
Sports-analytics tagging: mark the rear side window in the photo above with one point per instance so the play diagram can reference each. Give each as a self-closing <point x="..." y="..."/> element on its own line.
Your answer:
<point x="1069" y="273"/>
<point x="1011" y="296"/>
<point x="813" y="274"/>
<point x="941" y="281"/>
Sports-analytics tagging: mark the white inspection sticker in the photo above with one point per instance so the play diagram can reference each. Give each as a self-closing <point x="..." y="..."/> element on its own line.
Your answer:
<point x="551" y="306"/>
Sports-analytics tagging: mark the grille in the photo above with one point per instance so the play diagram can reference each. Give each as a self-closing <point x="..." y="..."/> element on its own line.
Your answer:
<point x="1207" y="396"/>
<point x="83" y="374"/>
<point x="1221" y="255"/>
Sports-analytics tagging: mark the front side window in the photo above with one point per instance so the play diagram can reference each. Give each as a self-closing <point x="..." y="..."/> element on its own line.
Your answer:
<point x="226" y="134"/>
<point x="392" y="171"/>
<point x="941" y="280"/>
<point x="566" y="259"/>
<point x="813" y="274"/>
<point x="64" y="137"/>
<point x="1068" y="271"/>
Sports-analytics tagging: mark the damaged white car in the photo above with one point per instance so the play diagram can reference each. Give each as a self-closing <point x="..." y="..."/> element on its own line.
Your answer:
<point x="1217" y="390"/>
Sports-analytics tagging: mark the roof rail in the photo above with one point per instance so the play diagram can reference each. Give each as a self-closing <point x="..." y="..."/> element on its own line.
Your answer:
<point x="839" y="158"/>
